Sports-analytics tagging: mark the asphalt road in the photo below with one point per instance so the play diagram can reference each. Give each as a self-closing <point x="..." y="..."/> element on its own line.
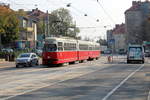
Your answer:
<point x="94" y="80"/>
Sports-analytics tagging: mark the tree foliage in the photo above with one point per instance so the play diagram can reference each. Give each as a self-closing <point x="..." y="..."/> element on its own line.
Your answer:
<point x="21" y="12"/>
<point x="40" y="27"/>
<point x="61" y="23"/>
<point x="102" y="41"/>
<point x="9" y="25"/>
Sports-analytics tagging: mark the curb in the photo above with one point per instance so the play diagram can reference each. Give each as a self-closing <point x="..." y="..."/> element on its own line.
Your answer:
<point x="2" y="59"/>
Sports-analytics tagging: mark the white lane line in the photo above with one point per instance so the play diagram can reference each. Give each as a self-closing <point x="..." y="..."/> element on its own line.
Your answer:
<point x="113" y="90"/>
<point x="148" y="98"/>
<point x="46" y="85"/>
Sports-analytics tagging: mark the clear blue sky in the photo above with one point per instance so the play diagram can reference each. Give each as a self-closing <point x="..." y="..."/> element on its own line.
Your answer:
<point x="113" y="14"/>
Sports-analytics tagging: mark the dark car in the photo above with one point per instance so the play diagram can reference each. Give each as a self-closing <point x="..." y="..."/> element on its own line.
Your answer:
<point x="27" y="59"/>
<point x="122" y="52"/>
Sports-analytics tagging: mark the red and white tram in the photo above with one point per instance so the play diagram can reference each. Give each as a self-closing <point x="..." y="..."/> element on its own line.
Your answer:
<point x="64" y="50"/>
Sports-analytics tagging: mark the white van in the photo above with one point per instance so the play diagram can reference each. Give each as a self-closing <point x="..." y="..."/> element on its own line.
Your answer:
<point x="135" y="54"/>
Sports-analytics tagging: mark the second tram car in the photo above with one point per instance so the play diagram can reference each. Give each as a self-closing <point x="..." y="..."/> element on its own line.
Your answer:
<point x="64" y="50"/>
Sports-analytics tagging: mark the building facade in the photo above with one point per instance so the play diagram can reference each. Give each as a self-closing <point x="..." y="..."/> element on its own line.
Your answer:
<point x="119" y="37"/>
<point x="116" y="38"/>
<point x="42" y="27"/>
<point x="27" y="34"/>
<point x="135" y="22"/>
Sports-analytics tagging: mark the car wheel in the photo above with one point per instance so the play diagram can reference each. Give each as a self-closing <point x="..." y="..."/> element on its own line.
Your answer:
<point x="128" y="62"/>
<point x="30" y="64"/>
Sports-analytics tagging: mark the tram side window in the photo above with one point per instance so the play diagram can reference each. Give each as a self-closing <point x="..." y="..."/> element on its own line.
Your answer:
<point x="60" y="46"/>
<point x="70" y="46"/>
<point x="97" y="48"/>
<point x="50" y="47"/>
<point x="90" y="48"/>
<point x="73" y="46"/>
<point x="94" y="47"/>
<point x="83" y="47"/>
<point x="66" y="46"/>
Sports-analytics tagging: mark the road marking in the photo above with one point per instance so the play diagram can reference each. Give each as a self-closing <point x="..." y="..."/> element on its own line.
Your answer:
<point x="46" y="85"/>
<point x="59" y="81"/>
<point x="122" y="82"/>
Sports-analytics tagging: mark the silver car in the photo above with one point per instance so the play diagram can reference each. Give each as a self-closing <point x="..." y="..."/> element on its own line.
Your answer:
<point x="27" y="59"/>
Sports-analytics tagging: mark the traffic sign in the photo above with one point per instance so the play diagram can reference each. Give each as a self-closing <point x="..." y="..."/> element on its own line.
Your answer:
<point x="111" y="41"/>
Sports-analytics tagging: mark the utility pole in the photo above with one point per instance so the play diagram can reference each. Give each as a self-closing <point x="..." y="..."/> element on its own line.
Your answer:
<point x="47" y="23"/>
<point x="0" y="42"/>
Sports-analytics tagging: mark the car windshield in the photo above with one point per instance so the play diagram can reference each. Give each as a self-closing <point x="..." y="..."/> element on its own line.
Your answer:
<point x="24" y="55"/>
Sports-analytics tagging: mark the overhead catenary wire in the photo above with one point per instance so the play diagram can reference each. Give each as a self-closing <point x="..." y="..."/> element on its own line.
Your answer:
<point x="84" y="18"/>
<point x="79" y="11"/>
<point x="103" y="18"/>
<point x="106" y="12"/>
<point x="20" y="4"/>
<point x="87" y="19"/>
<point x="84" y="14"/>
<point x="90" y="27"/>
<point x="93" y="27"/>
<point x="97" y="20"/>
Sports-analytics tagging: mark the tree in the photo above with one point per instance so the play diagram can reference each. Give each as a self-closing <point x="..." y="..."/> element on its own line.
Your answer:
<point x="73" y="31"/>
<point x="9" y="25"/>
<point x="21" y="12"/>
<point x="87" y="39"/>
<point x="40" y="27"/>
<point x="102" y="41"/>
<point x="61" y="23"/>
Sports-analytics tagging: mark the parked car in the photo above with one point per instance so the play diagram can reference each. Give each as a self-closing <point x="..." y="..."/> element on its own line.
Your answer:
<point x="7" y="50"/>
<point x="27" y="59"/>
<point x="122" y="51"/>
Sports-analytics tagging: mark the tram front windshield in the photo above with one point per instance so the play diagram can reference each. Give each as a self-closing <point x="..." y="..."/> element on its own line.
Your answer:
<point x="50" y="47"/>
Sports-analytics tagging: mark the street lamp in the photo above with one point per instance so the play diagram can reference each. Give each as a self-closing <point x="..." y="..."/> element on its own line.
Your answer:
<point x="97" y="20"/>
<point x="69" y="5"/>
